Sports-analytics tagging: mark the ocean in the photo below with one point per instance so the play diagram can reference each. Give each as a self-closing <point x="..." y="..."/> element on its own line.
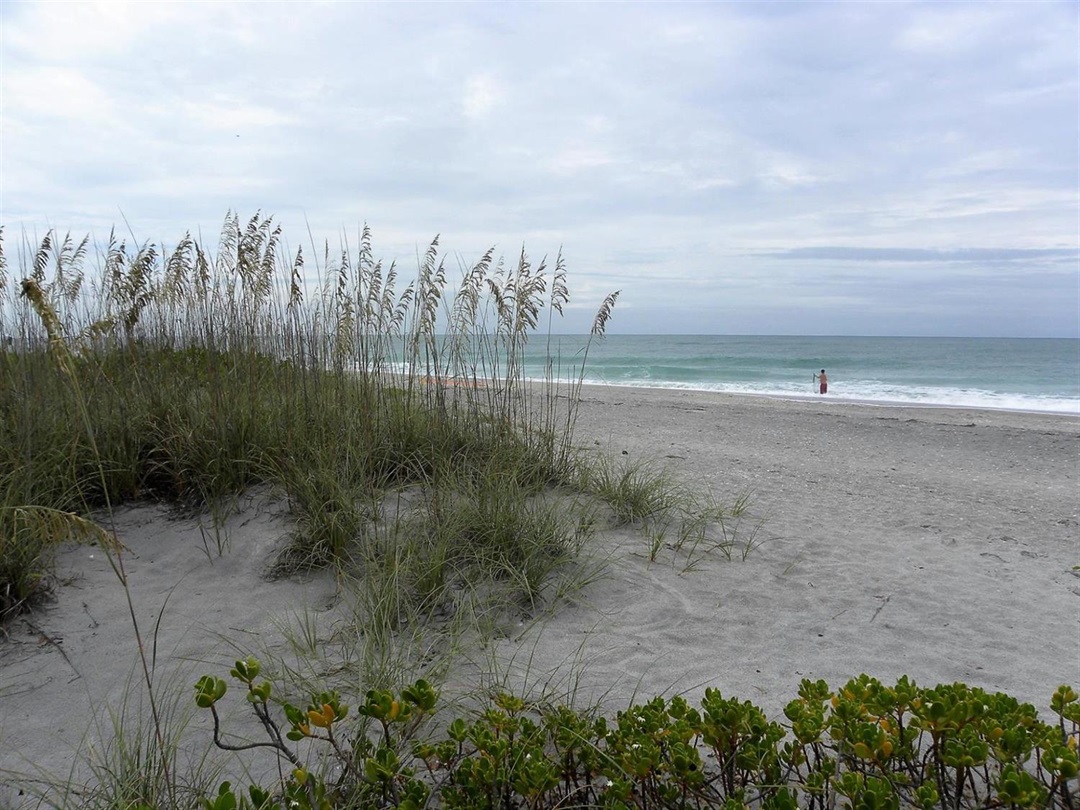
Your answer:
<point x="1020" y="374"/>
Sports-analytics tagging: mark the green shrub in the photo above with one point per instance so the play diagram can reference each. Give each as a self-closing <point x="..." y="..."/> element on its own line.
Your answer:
<point x="864" y="746"/>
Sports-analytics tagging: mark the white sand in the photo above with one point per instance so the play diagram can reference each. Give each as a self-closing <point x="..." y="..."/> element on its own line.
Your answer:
<point x="940" y="543"/>
<point x="932" y="542"/>
<point x="68" y="672"/>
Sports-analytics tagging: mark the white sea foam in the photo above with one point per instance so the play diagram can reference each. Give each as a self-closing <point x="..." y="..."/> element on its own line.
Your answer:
<point x="877" y="393"/>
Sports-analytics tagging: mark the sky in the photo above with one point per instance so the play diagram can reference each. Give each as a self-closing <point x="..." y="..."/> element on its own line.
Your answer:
<point x="819" y="168"/>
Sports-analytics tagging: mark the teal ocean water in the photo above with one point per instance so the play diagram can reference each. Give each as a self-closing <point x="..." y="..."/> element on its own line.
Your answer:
<point x="1029" y="374"/>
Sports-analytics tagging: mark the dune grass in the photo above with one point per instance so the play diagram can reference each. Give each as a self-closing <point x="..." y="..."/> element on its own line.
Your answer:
<point x="189" y="376"/>
<point x="419" y="462"/>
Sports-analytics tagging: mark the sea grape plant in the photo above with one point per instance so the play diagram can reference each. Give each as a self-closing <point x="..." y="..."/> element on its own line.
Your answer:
<point x="865" y="746"/>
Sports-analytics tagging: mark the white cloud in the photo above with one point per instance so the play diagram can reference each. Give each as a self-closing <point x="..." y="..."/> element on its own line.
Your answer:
<point x="575" y="159"/>
<point x="87" y="31"/>
<point x="55" y="93"/>
<point x="949" y="28"/>
<point x="786" y="170"/>
<point x="482" y="94"/>
<point x="984" y="161"/>
<point x="228" y="114"/>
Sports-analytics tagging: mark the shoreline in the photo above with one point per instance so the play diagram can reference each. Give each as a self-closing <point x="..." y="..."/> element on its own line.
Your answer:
<point x="831" y="399"/>
<point x="1023" y="418"/>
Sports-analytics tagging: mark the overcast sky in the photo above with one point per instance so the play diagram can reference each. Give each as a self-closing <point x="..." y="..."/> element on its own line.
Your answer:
<point x="744" y="168"/>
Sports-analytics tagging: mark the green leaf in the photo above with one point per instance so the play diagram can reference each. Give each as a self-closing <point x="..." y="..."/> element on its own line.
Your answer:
<point x="208" y="691"/>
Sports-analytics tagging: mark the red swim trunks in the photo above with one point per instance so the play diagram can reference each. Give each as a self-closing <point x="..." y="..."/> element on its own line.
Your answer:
<point x="824" y="388"/>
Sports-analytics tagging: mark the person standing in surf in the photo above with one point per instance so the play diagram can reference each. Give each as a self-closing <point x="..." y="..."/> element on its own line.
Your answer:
<point x="823" y="388"/>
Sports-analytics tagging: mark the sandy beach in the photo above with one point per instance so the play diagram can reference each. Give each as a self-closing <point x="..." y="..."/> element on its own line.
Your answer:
<point x="938" y="543"/>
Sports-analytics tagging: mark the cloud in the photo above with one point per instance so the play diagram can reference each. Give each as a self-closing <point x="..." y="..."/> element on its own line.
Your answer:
<point x="482" y="95"/>
<point x="86" y="32"/>
<point x="951" y="30"/>
<point x="55" y="93"/>
<point x="226" y="113"/>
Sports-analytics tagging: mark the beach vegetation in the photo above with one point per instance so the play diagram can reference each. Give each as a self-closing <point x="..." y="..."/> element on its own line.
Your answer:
<point x="445" y="490"/>
<point x="420" y="464"/>
<point x="189" y="376"/>
<point x="688" y="523"/>
<point x="864" y="745"/>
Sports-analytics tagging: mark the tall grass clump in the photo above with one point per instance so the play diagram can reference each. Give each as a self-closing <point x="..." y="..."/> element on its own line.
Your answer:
<point x="188" y="374"/>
